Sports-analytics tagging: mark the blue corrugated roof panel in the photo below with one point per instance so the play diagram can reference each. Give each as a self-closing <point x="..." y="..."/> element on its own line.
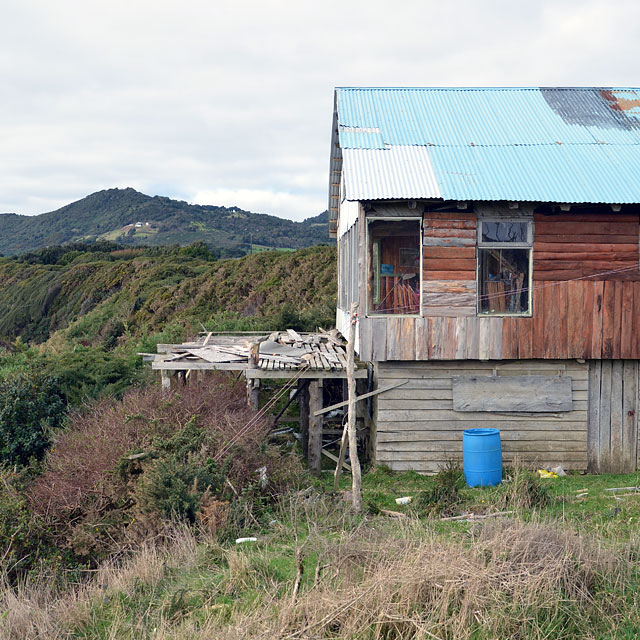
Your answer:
<point x="526" y="144"/>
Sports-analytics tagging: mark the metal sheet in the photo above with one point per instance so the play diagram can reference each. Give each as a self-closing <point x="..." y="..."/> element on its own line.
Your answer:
<point x="526" y="144"/>
<point x="397" y="172"/>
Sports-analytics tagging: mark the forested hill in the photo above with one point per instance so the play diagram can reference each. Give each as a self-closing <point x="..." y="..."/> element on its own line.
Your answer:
<point x="129" y="217"/>
<point x="106" y="294"/>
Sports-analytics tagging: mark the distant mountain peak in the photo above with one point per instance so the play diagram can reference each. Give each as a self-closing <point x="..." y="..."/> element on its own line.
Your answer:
<point x="110" y="213"/>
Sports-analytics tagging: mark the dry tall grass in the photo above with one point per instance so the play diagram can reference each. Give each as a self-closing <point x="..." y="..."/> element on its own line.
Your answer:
<point x="380" y="580"/>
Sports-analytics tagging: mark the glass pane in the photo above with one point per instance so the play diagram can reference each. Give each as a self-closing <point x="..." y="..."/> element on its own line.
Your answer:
<point x="507" y="231"/>
<point x="504" y="280"/>
<point x="394" y="258"/>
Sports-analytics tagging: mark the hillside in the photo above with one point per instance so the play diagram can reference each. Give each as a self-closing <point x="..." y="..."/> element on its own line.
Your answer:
<point x="96" y="297"/>
<point x="132" y="218"/>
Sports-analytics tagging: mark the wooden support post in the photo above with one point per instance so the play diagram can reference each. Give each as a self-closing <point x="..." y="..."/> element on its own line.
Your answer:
<point x="303" y="404"/>
<point x="315" y="426"/>
<point x="356" y="489"/>
<point x="253" y="393"/>
<point x="253" y="384"/>
<point x="166" y="380"/>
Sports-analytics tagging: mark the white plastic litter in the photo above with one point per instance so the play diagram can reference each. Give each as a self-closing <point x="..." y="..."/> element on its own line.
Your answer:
<point x="404" y="500"/>
<point x="241" y="540"/>
<point x="262" y="473"/>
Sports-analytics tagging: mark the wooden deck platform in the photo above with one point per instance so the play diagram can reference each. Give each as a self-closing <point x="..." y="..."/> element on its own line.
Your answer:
<point x="282" y="354"/>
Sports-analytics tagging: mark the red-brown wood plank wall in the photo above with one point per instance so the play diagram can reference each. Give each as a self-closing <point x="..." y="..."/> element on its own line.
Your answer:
<point x="449" y="250"/>
<point x="586" y="294"/>
<point x="603" y="246"/>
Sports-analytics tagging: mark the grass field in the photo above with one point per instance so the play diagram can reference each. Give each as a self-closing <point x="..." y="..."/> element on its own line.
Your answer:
<point x="555" y="566"/>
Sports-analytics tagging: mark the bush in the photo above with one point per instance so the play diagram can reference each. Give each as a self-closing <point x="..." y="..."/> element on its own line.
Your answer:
<point x="32" y="407"/>
<point x="22" y="533"/>
<point x="522" y="489"/>
<point x="444" y="496"/>
<point x="123" y="468"/>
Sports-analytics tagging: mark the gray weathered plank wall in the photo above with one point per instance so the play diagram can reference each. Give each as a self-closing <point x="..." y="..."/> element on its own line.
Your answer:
<point x="612" y="441"/>
<point x="416" y="426"/>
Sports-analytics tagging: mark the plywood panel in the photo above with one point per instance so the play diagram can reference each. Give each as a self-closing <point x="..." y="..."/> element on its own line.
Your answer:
<point x="541" y="394"/>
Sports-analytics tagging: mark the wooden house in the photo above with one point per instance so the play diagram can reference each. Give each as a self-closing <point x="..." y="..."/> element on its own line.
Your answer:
<point x="490" y="238"/>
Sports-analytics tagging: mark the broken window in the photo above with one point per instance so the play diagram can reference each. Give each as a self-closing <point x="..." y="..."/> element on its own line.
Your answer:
<point x="504" y="267"/>
<point x="394" y="267"/>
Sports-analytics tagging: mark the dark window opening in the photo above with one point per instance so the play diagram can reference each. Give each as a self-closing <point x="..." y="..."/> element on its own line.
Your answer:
<point x="394" y="267"/>
<point x="498" y="231"/>
<point x="504" y="281"/>
<point x="504" y="267"/>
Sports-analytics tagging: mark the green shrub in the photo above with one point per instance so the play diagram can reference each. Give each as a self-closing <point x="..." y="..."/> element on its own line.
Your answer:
<point x="444" y="496"/>
<point x="174" y="488"/>
<point x="522" y="489"/>
<point x="32" y="406"/>
<point x="22" y="533"/>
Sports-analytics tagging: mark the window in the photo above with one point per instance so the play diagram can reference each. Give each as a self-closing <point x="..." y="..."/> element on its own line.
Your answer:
<point x="394" y="266"/>
<point x="504" y="267"/>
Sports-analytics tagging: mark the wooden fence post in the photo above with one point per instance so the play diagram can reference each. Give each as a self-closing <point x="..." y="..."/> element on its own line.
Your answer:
<point x="356" y="477"/>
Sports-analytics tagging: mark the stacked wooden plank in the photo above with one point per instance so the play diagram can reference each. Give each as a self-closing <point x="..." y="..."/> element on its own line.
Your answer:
<point x="280" y="351"/>
<point x="312" y="351"/>
<point x="449" y="264"/>
<point x="575" y="245"/>
<point x="418" y="426"/>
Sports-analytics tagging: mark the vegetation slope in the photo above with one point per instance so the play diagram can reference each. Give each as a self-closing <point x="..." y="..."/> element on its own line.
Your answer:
<point x="99" y="296"/>
<point x="119" y="515"/>
<point x="133" y="218"/>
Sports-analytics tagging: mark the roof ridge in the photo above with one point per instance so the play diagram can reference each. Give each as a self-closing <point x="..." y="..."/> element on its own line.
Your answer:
<point x="528" y="88"/>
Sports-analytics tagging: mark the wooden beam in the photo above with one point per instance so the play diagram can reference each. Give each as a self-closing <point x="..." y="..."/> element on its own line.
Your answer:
<point x="362" y="397"/>
<point x="356" y="479"/>
<point x="315" y="426"/>
<point x="341" y="462"/>
<point x="303" y="395"/>
<point x="253" y="394"/>
<point x="341" y="456"/>
<point x="197" y="364"/>
<point x="312" y="374"/>
<point x="166" y="381"/>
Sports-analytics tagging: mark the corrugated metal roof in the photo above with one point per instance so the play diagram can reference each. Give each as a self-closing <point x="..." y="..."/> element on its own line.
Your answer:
<point x="521" y="144"/>
<point x="372" y="174"/>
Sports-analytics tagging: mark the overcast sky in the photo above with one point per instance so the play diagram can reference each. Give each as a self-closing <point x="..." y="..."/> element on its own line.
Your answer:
<point x="230" y="103"/>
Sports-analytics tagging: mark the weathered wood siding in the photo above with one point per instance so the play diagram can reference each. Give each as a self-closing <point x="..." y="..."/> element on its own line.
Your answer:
<point x="585" y="294"/>
<point x="416" y="426"/>
<point x="613" y="416"/>
<point x="579" y="319"/>
<point x="449" y="264"/>
<point x="577" y="245"/>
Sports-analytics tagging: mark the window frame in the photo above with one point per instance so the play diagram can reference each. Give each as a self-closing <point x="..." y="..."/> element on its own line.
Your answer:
<point x="370" y="313"/>
<point x="483" y="245"/>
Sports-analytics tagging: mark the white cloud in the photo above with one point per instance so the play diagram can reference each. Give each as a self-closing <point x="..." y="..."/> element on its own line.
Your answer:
<point x="234" y="100"/>
<point x="283" y="204"/>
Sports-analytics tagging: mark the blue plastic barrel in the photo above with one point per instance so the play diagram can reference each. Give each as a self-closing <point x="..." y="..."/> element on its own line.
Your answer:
<point x="482" y="457"/>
